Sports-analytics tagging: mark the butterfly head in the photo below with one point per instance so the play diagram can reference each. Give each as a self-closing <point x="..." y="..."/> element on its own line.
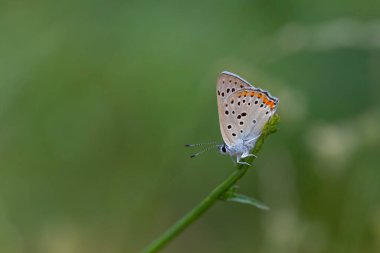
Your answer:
<point x="223" y="149"/>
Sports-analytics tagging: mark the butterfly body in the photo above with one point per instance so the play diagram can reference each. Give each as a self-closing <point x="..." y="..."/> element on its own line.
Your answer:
<point x="243" y="112"/>
<point x="241" y="148"/>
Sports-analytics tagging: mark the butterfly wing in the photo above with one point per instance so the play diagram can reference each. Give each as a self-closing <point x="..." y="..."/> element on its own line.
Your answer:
<point x="255" y="107"/>
<point x="227" y="84"/>
<point x="243" y="109"/>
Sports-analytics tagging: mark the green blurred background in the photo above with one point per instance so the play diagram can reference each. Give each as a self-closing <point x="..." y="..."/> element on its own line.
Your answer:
<point x="97" y="99"/>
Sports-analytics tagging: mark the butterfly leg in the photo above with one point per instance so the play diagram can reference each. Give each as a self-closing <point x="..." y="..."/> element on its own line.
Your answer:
<point x="253" y="139"/>
<point x="248" y="155"/>
<point x="238" y="161"/>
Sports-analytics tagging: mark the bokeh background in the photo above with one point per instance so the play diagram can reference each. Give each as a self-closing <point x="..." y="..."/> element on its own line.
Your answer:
<point x="97" y="99"/>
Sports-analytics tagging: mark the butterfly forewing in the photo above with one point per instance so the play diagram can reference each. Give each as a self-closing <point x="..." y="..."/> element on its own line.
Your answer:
<point x="227" y="85"/>
<point x="243" y="109"/>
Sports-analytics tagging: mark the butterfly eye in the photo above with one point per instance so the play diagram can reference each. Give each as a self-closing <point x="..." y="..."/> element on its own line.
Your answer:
<point x="224" y="149"/>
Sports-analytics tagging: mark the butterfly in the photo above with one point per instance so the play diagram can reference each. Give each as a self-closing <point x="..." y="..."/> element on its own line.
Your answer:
<point x="243" y="112"/>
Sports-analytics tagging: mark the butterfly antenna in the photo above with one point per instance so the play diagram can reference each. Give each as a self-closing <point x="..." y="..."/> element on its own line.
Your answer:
<point x="200" y="144"/>
<point x="203" y="150"/>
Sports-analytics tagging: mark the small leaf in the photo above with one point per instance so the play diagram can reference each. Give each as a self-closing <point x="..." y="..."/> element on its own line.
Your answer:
<point x="240" y="198"/>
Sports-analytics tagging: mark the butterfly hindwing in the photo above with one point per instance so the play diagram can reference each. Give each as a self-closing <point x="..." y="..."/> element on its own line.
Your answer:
<point x="255" y="110"/>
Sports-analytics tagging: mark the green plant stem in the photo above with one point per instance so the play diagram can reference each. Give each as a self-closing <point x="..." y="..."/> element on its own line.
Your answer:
<point x="214" y="195"/>
<point x="196" y="212"/>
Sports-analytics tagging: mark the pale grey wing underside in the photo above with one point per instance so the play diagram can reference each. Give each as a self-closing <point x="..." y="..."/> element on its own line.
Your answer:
<point x="243" y="109"/>
<point x="258" y="114"/>
<point x="226" y="85"/>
